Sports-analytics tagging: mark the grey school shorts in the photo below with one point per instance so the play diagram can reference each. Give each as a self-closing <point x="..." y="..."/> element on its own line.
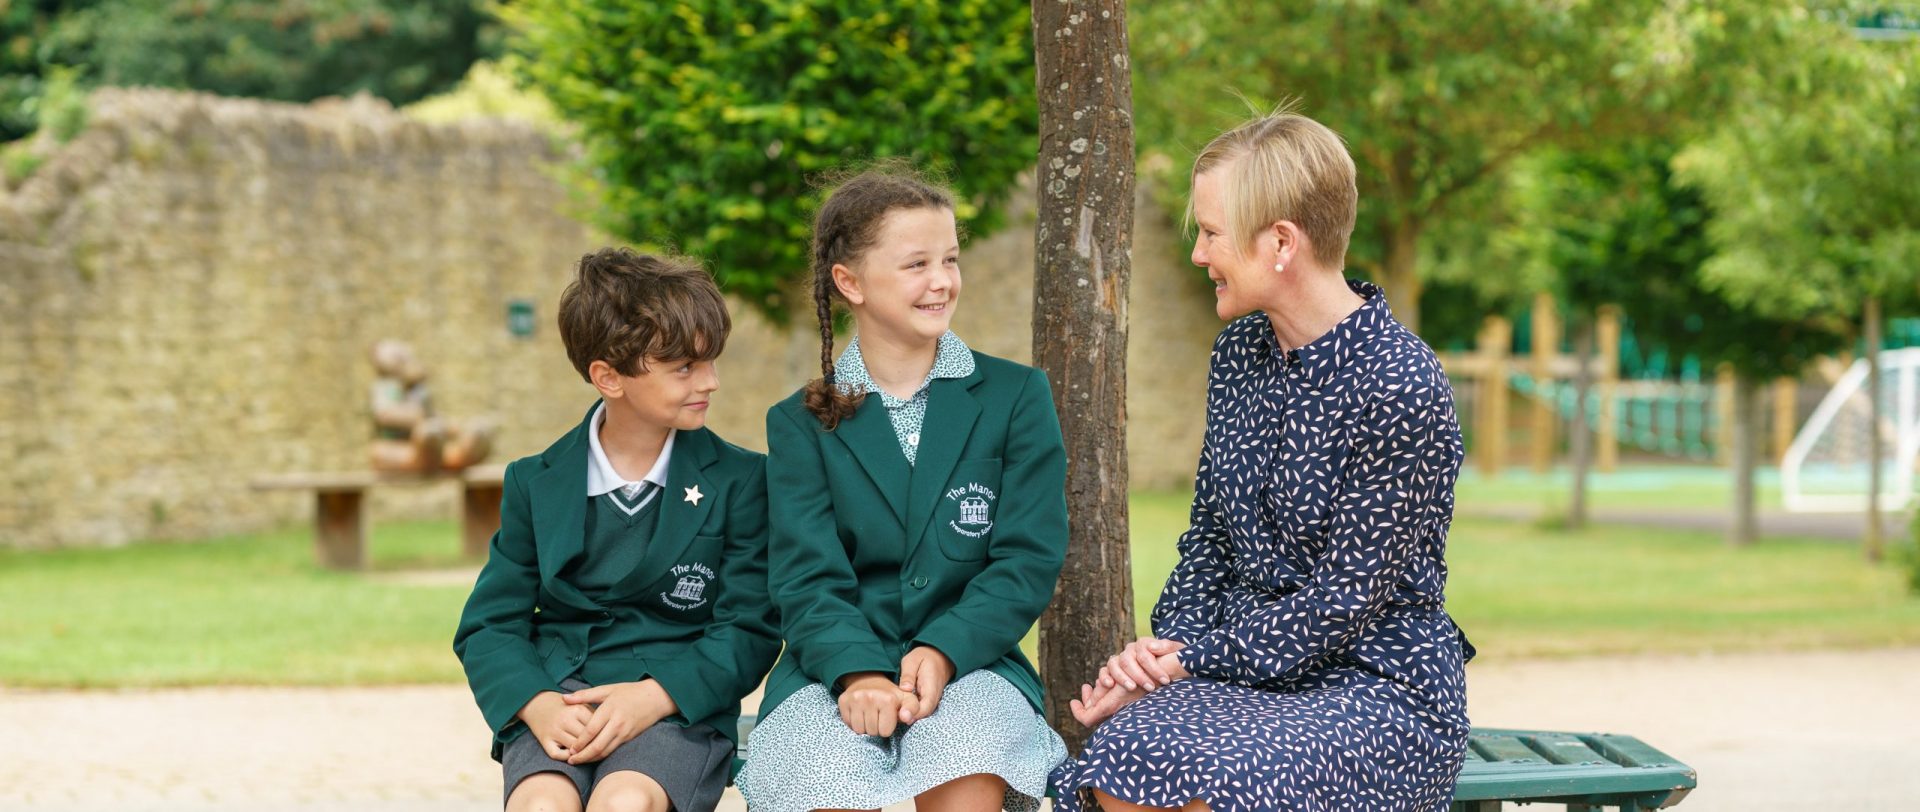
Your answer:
<point x="690" y="763"/>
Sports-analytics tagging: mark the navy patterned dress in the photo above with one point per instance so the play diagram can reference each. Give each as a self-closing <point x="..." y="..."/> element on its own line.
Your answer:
<point x="1309" y="593"/>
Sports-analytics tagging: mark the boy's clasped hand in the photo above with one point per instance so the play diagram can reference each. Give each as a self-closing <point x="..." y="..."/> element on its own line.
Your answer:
<point x="585" y="726"/>
<point x="874" y="705"/>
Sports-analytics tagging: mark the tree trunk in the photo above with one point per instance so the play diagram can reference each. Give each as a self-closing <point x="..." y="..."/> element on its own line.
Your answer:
<point x="1746" y="417"/>
<point x="1401" y="272"/>
<point x="1082" y="249"/>
<point x="1876" y="444"/>
<point x="1580" y="438"/>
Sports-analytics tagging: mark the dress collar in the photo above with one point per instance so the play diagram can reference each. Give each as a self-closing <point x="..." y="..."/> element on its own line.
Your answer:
<point x="953" y="359"/>
<point x="1321" y="358"/>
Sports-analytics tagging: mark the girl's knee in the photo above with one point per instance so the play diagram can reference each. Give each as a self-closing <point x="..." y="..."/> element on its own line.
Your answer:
<point x="1112" y="804"/>
<point x="545" y="792"/>
<point x="980" y="791"/>
<point x="628" y="791"/>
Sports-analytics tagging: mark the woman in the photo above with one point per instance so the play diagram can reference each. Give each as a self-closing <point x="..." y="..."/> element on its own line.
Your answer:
<point x="1302" y="657"/>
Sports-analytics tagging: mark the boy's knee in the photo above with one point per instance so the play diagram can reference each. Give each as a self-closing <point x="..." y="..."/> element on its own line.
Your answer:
<point x="628" y="791"/>
<point x="545" y="792"/>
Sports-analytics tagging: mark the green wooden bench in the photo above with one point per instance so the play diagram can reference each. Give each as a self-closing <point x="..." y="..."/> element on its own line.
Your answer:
<point x="1583" y="771"/>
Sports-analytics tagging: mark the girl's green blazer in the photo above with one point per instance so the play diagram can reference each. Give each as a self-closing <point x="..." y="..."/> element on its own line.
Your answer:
<point x="694" y="615"/>
<point x="870" y="556"/>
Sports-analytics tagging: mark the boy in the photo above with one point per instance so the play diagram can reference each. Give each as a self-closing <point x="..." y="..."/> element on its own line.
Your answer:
<point x="623" y="608"/>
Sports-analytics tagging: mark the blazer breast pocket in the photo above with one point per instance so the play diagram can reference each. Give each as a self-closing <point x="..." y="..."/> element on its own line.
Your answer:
<point x="688" y="588"/>
<point x="964" y="517"/>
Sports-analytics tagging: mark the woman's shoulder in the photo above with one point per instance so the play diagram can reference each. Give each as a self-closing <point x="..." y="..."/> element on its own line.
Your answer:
<point x="1400" y="367"/>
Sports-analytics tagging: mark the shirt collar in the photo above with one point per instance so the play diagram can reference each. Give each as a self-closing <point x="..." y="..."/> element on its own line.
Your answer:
<point x="601" y="477"/>
<point x="1320" y="358"/>
<point x="953" y="359"/>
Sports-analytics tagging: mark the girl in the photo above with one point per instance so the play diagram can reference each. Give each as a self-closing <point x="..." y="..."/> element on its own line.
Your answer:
<point x="918" y="514"/>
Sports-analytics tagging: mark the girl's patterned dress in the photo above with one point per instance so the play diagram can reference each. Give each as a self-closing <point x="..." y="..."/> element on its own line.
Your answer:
<point x="1309" y="593"/>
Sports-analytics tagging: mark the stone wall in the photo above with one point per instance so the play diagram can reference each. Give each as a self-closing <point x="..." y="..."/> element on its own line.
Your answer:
<point x="188" y="290"/>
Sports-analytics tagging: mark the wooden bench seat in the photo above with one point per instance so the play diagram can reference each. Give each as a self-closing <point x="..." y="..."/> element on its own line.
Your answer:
<point x="340" y="512"/>
<point x="1581" y="771"/>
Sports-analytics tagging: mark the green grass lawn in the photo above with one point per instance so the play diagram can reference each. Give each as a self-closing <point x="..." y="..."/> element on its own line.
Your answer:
<point x="256" y="610"/>
<point x="1654" y="487"/>
<point x="1521" y="591"/>
<point x="252" y="609"/>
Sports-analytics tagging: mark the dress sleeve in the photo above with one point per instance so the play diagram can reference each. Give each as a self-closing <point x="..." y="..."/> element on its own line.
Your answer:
<point x="1382" y="510"/>
<point x="1028" y="547"/>
<point x="809" y="574"/>
<point x="1189" y="605"/>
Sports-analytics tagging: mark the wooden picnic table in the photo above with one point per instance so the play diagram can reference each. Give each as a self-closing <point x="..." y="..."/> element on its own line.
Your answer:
<point x="340" y="513"/>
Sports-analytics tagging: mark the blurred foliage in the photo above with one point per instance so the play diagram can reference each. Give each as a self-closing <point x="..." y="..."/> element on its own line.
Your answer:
<point x="1437" y="99"/>
<point x="1816" y="177"/>
<point x="488" y="91"/>
<point x="288" y="50"/>
<point x="707" y="126"/>
<point x="1613" y="226"/>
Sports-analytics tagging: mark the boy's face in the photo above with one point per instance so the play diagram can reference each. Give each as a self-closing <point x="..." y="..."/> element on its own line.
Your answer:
<point x="665" y="392"/>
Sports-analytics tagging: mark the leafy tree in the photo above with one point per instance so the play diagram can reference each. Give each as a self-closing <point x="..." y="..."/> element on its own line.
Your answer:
<point x="1614" y="227"/>
<point x="289" y="50"/>
<point x="1437" y="98"/>
<point x="1814" y="182"/>
<point x="705" y="126"/>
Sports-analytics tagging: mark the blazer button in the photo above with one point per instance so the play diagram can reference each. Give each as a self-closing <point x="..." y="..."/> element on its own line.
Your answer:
<point x="919" y="582"/>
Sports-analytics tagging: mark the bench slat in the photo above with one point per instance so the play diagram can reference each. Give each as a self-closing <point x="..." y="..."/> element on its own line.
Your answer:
<point x="1504" y="748"/>
<point x="1565" y="748"/>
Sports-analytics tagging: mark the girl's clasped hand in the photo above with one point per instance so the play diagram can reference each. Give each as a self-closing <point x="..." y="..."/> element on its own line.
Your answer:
<point x="873" y="705"/>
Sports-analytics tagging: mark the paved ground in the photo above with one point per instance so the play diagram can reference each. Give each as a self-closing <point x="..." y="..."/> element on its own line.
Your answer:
<point x="1831" y="731"/>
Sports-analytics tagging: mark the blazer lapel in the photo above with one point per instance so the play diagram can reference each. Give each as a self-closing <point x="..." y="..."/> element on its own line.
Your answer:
<point x="869" y="435"/>
<point x="559" y="497"/>
<point x="951" y="412"/>
<point x="684" y="505"/>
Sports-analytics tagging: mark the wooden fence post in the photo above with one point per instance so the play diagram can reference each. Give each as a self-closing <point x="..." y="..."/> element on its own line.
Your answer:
<point x="1496" y="343"/>
<point x="1607" y="437"/>
<point x="1786" y="416"/>
<point x="1546" y="347"/>
<point x="1725" y="398"/>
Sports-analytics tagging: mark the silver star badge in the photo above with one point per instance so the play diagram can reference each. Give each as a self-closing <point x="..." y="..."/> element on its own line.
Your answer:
<point x="694" y="495"/>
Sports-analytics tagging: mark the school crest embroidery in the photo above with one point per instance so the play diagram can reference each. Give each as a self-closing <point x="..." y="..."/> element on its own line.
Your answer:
<point x="690" y="587"/>
<point x="975" y="505"/>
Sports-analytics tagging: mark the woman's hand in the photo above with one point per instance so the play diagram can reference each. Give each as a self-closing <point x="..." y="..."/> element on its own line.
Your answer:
<point x="1096" y="704"/>
<point x="924" y="673"/>
<point x="1146" y="663"/>
<point x="871" y="703"/>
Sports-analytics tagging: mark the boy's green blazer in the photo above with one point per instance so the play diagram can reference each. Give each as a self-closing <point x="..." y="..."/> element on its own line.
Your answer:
<point x="960" y="550"/>
<point x="525" y="628"/>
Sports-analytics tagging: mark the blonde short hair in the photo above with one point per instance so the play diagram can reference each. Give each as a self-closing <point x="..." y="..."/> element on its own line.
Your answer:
<point x="1284" y="166"/>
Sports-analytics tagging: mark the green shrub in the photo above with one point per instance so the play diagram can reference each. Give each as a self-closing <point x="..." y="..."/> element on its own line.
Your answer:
<point x="18" y="161"/>
<point x="705" y="126"/>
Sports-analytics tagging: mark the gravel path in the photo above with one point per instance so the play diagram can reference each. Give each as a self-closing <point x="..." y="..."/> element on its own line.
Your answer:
<point x="1828" y="730"/>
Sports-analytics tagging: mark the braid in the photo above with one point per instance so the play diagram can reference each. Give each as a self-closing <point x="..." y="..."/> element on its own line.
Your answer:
<point x="846" y="225"/>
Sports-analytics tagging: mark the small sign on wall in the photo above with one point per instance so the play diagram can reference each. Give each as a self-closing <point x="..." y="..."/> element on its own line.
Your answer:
<point x="520" y="318"/>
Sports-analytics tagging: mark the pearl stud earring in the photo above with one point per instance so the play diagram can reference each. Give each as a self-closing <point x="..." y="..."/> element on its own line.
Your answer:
<point x="1277" y="267"/>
